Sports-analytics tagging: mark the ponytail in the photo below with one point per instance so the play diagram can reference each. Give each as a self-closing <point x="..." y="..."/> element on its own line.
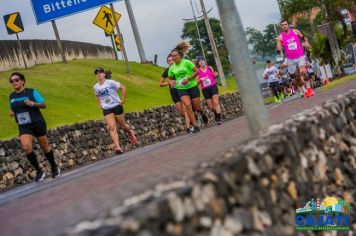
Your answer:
<point x="182" y="48"/>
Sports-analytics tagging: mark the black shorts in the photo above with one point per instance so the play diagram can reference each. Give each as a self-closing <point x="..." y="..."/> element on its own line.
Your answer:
<point x="174" y="95"/>
<point x="192" y="92"/>
<point x="118" y="110"/>
<point x="210" y="92"/>
<point x="37" y="129"/>
<point x="274" y="85"/>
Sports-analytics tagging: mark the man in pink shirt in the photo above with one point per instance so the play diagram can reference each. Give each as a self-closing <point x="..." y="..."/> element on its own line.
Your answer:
<point x="290" y="41"/>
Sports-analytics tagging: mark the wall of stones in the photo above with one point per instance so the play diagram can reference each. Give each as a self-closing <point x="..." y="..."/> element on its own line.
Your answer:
<point x="46" y="51"/>
<point x="254" y="189"/>
<point x="83" y="143"/>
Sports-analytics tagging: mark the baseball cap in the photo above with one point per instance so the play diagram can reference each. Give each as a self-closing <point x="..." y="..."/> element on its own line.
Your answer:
<point x="99" y="69"/>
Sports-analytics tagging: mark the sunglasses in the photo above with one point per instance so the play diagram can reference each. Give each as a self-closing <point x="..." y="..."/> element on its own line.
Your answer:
<point x="14" y="80"/>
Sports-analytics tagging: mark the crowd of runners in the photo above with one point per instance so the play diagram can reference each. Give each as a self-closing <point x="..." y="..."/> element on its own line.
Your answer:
<point x="183" y="77"/>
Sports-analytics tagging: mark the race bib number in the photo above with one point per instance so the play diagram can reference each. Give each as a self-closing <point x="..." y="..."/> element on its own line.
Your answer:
<point x="23" y="118"/>
<point x="181" y="83"/>
<point x="108" y="100"/>
<point x="206" y="81"/>
<point x="292" y="46"/>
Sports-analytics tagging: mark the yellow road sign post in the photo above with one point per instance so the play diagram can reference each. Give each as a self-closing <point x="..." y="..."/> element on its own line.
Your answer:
<point x="105" y="19"/>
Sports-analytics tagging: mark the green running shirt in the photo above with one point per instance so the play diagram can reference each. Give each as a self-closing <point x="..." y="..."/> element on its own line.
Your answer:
<point x="181" y="72"/>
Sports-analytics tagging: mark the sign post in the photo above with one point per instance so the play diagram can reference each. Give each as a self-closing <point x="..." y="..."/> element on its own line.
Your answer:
<point x="128" y="69"/>
<point x="14" y="25"/>
<point x="59" y="43"/>
<point x="113" y="45"/>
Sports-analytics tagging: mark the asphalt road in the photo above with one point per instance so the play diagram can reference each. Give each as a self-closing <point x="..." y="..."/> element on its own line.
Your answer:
<point x="50" y="207"/>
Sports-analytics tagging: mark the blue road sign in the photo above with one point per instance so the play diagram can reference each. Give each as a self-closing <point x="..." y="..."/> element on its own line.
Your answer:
<point x="47" y="10"/>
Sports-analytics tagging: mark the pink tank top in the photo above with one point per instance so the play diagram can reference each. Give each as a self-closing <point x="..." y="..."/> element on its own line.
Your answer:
<point x="292" y="45"/>
<point x="207" y="78"/>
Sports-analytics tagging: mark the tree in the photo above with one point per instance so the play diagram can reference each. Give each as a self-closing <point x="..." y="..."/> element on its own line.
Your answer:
<point x="190" y="34"/>
<point x="331" y="9"/>
<point x="262" y="43"/>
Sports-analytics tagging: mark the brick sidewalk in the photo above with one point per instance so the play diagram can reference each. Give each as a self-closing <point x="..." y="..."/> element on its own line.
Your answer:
<point x="49" y="208"/>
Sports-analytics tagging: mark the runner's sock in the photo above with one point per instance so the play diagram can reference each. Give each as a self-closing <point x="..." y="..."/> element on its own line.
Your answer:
<point x="50" y="158"/>
<point x="33" y="160"/>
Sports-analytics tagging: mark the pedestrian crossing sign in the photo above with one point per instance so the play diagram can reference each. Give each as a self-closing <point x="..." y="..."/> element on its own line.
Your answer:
<point x="105" y="19"/>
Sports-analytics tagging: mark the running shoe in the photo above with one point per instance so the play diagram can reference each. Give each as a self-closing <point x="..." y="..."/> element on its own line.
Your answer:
<point x="205" y="118"/>
<point x="276" y="100"/>
<point x="219" y="121"/>
<point x="311" y="92"/>
<point x="56" y="172"/>
<point x="196" y="129"/>
<point x="133" y="139"/>
<point x="190" y="130"/>
<point x="118" y="150"/>
<point x="40" y="176"/>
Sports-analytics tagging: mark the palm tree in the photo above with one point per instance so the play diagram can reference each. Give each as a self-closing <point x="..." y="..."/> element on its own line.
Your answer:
<point x="331" y="9"/>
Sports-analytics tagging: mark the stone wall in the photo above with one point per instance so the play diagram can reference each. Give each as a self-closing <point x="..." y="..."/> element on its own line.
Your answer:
<point x="83" y="143"/>
<point x="254" y="189"/>
<point x="46" y="51"/>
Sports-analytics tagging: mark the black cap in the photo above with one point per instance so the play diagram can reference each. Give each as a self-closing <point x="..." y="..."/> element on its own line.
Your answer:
<point x="101" y="70"/>
<point x="200" y="58"/>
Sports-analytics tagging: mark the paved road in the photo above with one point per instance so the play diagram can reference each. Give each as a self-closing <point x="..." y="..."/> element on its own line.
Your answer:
<point x="49" y="208"/>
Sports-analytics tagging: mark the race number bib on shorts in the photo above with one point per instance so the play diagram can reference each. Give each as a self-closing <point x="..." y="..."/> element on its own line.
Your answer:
<point x="23" y="118"/>
<point x="292" y="46"/>
<point x="206" y="82"/>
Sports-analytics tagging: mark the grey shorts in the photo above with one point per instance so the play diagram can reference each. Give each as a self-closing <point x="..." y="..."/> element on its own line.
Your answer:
<point x="293" y="64"/>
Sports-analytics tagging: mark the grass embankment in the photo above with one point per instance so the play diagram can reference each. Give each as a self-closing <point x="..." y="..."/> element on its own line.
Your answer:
<point x="338" y="82"/>
<point x="69" y="95"/>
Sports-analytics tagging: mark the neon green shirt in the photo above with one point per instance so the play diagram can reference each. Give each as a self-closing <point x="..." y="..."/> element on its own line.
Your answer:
<point x="181" y="72"/>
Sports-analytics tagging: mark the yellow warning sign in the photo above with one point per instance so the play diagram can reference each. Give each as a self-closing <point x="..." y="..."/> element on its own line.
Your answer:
<point x="13" y="23"/>
<point x="118" y="42"/>
<point x="105" y="19"/>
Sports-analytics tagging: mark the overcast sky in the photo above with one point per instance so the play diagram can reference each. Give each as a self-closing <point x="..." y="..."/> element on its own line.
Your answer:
<point x="159" y="21"/>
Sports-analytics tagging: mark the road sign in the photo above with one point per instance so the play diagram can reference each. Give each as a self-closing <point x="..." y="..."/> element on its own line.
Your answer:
<point x="105" y="20"/>
<point x="13" y="23"/>
<point x="47" y="10"/>
<point x="118" y="42"/>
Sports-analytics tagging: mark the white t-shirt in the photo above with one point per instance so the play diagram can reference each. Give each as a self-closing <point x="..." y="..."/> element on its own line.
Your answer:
<point x="271" y="73"/>
<point x="107" y="92"/>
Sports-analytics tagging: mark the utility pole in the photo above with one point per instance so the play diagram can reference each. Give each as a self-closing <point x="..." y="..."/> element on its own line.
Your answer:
<point x="136" y="33"/>
<point x="213" y="45"/>
<point x="128" y="69"/>
<point x="198" y="32"/>
<point x="59" y="43"/>
<point x="236" y="42"/>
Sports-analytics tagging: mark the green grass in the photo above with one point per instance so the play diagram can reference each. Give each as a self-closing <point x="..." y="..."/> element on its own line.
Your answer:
<point x="338" y="82"/>
<point x="69" y="95"/>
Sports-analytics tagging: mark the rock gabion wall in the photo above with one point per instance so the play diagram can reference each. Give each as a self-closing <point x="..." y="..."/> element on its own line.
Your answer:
<point x="83" y="143"/>
<point x="254" y="189"/>
<point x="46" y="51"/>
